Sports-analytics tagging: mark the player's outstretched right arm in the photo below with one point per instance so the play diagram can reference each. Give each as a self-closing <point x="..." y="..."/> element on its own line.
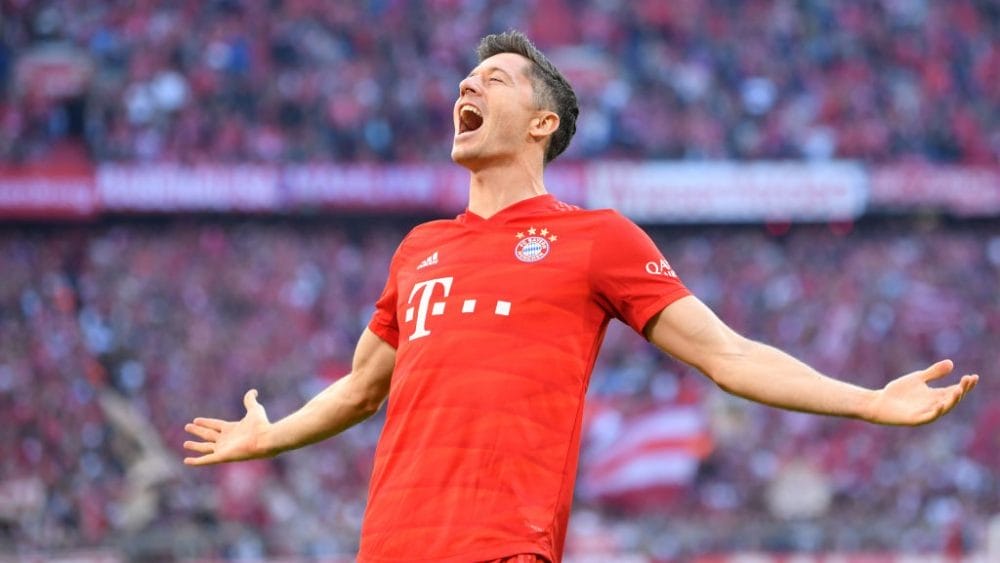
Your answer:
<point x="343" y="404"/>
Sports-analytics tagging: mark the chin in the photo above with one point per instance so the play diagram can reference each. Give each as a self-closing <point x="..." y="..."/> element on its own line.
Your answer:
<point x="475" y="157"/>
<point x="463" y="157"/>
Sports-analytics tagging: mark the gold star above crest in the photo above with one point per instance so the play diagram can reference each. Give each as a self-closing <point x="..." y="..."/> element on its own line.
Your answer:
<point x="532" y="231"/>
<point x="545" y="232"/>
<point x="519" y="235"/>
<point x="553" y="238"/>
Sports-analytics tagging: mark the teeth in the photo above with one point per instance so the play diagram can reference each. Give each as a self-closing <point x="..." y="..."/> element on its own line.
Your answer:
<point x="469" y="117"/>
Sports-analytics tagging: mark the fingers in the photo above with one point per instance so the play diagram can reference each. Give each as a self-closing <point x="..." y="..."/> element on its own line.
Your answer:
<point x="955" y="393"/>
<point x="203" y="432"/>
<point x="968" y="382"/>
<point x="199" y="447"/>
<point x="938" y="370"/>
<point x="964" y="385"/>
<point x="203" y="448"/>
<point x="202" y="460"/>
<point x="213" y="423"/>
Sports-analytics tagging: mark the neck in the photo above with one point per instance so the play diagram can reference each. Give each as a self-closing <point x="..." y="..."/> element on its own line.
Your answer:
<point x="493" y="188"/>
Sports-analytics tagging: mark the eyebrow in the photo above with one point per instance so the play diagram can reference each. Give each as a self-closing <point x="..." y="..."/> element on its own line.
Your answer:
<point x="490" y="69"/>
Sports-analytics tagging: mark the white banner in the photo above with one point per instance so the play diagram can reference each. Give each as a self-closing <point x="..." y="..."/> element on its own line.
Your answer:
<point x="424" y="186"/>
<point x="47" y="196"/>
<point x="33" y="192"/>
<point x="722" y="191"/>
<point x="169" y="187"/>
<point x="438" y="187"/>
<point x="963" y="190"/>
<point x="670" y="192"/>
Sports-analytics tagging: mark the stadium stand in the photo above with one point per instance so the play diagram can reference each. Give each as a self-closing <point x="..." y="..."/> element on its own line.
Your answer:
<point x="225" y="81"/>
<point x="117" y="330"/>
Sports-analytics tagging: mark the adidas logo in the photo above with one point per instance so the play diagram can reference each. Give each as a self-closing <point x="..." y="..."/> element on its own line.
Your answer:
<point x="429" y="261"/>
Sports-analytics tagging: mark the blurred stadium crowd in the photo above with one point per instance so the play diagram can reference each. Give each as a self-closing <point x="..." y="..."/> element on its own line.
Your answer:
<point x="307" y="80"/>
<point x="181" y="316"/>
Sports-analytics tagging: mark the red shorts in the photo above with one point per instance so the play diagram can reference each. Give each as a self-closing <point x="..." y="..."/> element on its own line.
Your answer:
<point x="520" y="558"/>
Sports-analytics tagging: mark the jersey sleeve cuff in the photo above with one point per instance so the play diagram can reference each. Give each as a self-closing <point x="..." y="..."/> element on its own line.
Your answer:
<point x="644" y="315"/>
<point x="387" y="333"/>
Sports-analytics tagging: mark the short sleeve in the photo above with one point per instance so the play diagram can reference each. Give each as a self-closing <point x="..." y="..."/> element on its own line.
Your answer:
<point x="629" y="275"/>
<point x="384" y="322"/>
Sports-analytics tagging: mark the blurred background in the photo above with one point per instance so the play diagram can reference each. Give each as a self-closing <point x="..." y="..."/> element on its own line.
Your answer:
<point x="202" y="196"/>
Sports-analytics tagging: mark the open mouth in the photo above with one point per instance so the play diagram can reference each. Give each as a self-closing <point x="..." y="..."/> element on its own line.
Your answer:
<point x="469" y="118"/>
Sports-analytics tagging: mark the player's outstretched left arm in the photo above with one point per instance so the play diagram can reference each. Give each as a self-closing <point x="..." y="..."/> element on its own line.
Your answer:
<point x="346" y="402"/>
<point x="688" y="330"/>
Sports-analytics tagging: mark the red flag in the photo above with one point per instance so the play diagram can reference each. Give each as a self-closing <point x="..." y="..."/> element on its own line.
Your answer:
<point x="644" y="457"/>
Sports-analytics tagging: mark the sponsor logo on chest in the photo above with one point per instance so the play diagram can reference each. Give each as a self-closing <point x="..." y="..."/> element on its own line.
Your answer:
<point x="430" y="298"/>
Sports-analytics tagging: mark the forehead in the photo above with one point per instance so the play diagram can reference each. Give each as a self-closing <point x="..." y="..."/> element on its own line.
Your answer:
<point x="513" y="64"/>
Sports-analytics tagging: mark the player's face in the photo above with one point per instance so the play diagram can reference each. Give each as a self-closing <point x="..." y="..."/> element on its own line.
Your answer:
<point x="493" y="112"/>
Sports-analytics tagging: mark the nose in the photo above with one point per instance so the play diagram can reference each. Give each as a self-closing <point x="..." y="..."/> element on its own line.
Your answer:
<point x="469" y="84"/>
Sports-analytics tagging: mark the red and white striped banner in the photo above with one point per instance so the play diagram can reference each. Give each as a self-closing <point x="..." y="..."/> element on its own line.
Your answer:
<point x="642" y="457"/>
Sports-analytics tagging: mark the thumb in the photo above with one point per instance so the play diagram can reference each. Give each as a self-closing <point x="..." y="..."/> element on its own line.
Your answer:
<point x="250" y="401"/>
<point x="938" y="370"/>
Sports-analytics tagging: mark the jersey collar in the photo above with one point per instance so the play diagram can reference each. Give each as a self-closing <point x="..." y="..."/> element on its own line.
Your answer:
<point x="525" y="207"/>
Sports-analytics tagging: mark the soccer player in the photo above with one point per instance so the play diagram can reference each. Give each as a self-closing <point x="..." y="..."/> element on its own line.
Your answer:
<point x="485" y="337"/>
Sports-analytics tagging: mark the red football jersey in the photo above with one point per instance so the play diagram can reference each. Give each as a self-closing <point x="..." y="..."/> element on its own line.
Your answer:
<point x="497" y="323"/>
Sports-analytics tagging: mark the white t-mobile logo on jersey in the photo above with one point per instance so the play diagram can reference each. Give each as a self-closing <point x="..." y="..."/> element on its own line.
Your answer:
<point x="424" y="304"/>
<point x="426" y="289"/>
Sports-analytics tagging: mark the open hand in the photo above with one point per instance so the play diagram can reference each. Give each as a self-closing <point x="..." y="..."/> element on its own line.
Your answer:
<point x="225" y="441"/>
<point x="910" y="401"/>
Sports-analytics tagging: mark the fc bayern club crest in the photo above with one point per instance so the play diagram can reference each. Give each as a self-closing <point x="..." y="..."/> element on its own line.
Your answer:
<point x="533" y="247"/>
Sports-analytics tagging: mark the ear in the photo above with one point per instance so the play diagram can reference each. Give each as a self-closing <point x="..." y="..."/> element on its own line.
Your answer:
<point x="544" y="125"/>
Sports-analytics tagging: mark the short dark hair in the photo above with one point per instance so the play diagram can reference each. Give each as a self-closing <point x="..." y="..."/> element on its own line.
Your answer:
<point x="552" y="90"/>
